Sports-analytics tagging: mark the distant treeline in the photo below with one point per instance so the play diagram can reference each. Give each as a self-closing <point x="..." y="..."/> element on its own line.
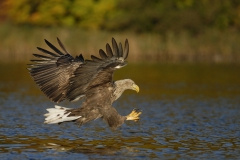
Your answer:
<point x="121" y="15"/>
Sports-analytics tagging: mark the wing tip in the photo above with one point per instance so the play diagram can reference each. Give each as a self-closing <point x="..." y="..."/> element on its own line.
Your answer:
<point x="126" y="49"/>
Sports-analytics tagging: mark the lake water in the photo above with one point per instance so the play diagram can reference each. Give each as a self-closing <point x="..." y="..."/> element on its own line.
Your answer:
<point x="189" y="112"/>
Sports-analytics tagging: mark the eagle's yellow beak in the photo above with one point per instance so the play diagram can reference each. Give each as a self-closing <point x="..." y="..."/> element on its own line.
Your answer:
<point x="135" y="87"/>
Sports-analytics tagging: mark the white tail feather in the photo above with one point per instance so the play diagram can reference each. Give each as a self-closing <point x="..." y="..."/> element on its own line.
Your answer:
<point x="58" y="115"/>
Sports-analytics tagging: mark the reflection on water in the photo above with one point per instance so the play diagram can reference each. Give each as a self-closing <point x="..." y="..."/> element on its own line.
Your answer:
<point x="189" y="111"/>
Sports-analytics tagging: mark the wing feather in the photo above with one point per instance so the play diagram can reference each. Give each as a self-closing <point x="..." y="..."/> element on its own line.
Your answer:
<point x="48" y="52"/>
<point x="96" y="59"/>
<point x="60" y="76"/>
<point x="53" y="47"/>
<point x="42" y="57"/>
<point x="102" y="54"/>
<point x="52" y="73"/>
<point x="62" y="46"/>
<point x="120" y="50"/>
<point x="126" y="50"/>
<point x="115" y="47"/>
<point x="79" y="58"/>
<point x="109" y="50"/>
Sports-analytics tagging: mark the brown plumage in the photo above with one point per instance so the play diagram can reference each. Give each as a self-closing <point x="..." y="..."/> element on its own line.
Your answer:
<point x="62" y="77"/>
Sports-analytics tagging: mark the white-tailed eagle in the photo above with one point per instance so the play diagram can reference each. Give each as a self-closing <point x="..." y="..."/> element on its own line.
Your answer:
<point x="62" y="77"/>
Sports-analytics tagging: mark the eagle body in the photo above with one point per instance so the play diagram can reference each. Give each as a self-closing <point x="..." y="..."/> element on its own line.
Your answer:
<point x="62" y="77"/>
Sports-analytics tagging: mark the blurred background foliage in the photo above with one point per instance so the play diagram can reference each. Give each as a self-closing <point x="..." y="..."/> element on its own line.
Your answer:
<point x="167" y="30"/>
<point x="119" y="15"/>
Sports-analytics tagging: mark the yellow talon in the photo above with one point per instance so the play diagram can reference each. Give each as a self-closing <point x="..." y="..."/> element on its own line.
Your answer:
<point x="134" y="115"/>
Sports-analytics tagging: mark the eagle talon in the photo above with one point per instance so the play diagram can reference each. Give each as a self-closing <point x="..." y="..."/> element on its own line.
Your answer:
<point x="136" y="110"/>
<point x="134" y="115"/>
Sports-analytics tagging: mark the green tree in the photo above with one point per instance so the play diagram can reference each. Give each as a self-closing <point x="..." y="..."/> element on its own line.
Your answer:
<point x="119" y="15"/>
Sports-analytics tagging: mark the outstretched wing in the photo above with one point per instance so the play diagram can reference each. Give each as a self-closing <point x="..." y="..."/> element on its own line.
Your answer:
<point x="60" y="76"/>
<point x="52" y="72"/>
<point x="98" y="71"/>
